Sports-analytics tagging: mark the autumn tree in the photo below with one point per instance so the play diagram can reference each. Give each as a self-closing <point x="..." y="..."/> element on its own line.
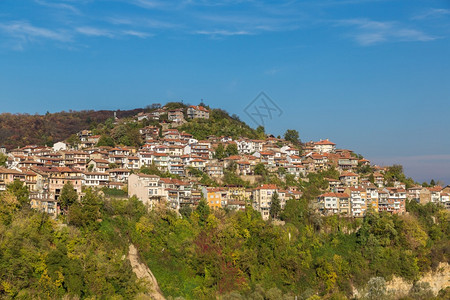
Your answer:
<point x="3" y="160"/>
<point x="20" y="191"/>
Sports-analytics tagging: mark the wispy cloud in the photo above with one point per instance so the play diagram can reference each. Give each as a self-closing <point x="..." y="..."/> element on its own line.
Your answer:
<point x="149" y="3"/>
<point x="138" y="34"/>
<point x="215" y="33"/>
<point x="432" y="13"/>
<point x="99" y="32"/>
<point x="57" y="5"/>
<point x="92" y="31"/>
<point x="368" y="32"/>
<point x="22" y="32"/>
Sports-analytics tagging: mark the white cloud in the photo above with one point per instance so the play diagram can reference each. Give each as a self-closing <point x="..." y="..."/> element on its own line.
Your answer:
<point x="25" y="32"/>
<point x="433" y="13"/>
<point x="368" y="32"/>
<point x="63" y="6"/>
<point x="215" y="33"/>
<point x="92" y="31"/>
<point x="138" y="34"/>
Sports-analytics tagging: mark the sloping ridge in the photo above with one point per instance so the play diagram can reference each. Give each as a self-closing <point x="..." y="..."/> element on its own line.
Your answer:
<point x="143" y="272"/>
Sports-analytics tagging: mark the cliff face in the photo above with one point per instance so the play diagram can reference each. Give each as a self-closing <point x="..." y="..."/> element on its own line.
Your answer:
<point x="398" y="287"/>
<point x="438" y="280"/>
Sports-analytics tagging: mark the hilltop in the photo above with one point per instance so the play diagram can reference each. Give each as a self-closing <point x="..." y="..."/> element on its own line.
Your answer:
<point x="18" y="130"/>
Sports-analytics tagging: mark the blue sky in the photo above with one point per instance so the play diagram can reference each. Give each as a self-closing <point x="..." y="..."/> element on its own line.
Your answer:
<point x="370" y="75"/>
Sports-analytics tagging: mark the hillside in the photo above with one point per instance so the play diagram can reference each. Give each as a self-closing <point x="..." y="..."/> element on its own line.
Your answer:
<point x="18" y="130"/>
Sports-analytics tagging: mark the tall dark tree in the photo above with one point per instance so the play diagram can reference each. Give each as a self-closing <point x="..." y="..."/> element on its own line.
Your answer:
<point x="275" y="207"/>
<point x="203" y="211"/>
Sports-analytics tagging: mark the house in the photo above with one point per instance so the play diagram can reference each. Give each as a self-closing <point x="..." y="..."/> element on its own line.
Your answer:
<point x="149" y="132"/>
<point x="413" y="194"/>
<point x="148" y="189"/>
<point x="59" y="146"/>
<point x="334" y="203"/>
<point x="347" y="163"/>
<point x="95" y="179"/>
<point x="197" y="112"/>
<point x="176" y="115"/>
<point x="378" y="179"/>
<point x="262" y="199"/>
<point x="44" y="202"/>
<point x="358" y="200"/>
<point x="349" y="178"/>
<point x="119" y="175"/>
<point x="7" y="176"/>
<point x="53" y="179"/>
<point x="324" y="146"/>
<point x="216" y="197"/>
<point x="214" y="168"/>
<point x="392" y="200"/>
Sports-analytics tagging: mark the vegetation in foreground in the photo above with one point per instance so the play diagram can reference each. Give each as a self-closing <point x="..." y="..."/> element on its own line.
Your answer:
<point x="205" y="255"/>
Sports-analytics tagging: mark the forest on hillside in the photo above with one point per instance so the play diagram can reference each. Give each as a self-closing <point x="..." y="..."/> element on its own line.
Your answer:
<point x="18" y="130"/>
<point x="205" y="254"/>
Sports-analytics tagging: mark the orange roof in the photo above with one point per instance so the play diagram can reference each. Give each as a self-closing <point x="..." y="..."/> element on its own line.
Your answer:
<point x="267" y="187"/>
<point x="324" y="142"/>
<point x="344" y="174"/>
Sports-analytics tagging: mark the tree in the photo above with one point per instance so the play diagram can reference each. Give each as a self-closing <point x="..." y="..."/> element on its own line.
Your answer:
<point x="432" y="182"/>
<point x="105" y="140"/>
<point x="20" y="191"/>
<point x="185" y="211"/>
<point x="260" y="169"/>
<point x="275" y="206"/>
<point x="68" y="196"/>
<point x="261" y="132"/>
<point x="292" y="136"/>
<point x="203" y="212"/>
<point x="3" y="160"/>
<point x="73" y="140"/>
<point x="232" y="149"/>
<point x="220" y="152"/>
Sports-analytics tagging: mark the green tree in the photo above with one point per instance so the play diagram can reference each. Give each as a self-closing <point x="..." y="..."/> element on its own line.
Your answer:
<point x="3" y="160"/>
<point x="68" y="196"/>
<point x="260" y="169"/>
<point x="231" y="149"/>
<point x="292" y="136"/>
<point x="105" y="140"/>
<point x="220" y="152"/>
<point x="20" y="191"/>
<point x="73" y="140"/>
<point x="275" y="206"/>
<point x="203" y="212"/>
<point x="261" y="132"/>
<point x="185" y="211"/>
